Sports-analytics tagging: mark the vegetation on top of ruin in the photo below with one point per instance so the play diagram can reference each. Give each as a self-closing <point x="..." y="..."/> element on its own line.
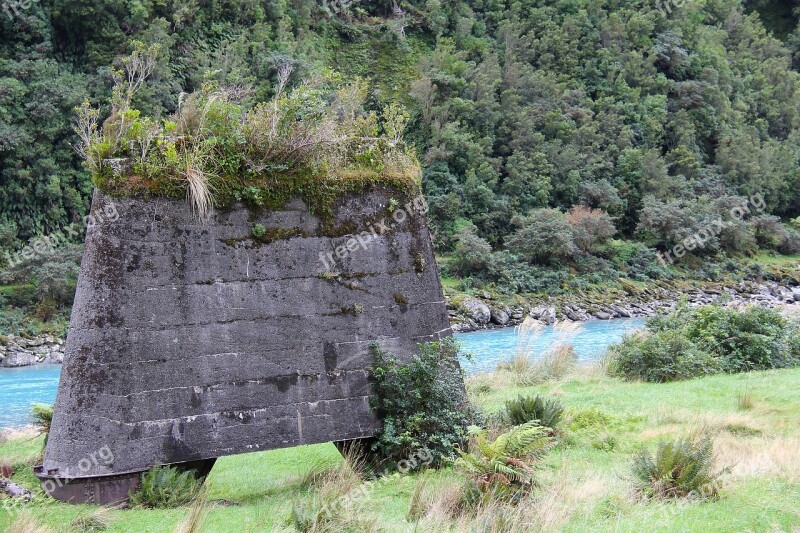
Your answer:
<point x="313" y="141"/>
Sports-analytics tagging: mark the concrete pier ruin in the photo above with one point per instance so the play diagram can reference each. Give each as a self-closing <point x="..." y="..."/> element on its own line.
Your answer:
<point x="249" y="331"/>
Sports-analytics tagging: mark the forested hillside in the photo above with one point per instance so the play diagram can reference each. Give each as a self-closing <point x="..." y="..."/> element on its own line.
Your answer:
<point x="558" y="137"/>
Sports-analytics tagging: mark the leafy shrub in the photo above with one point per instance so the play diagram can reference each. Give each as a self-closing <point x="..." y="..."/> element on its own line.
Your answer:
<point x="769" y="232"/>
<point x="737" y="238"/>
<point x="753" y="339"/>
<point x="542" y="237"/>
<point x="471" y="253"/>
<point x="23" y="296"/>
<point x="511" y="272"/>
<point x="667" y="224"/>
<point x="505" y="464"/>
<point x="422" y="403"/>
<point x="659" y="357"/>
<point x="708" y="339"/>
<point x="166" y="487"/>
<point x="590" y="227"/>
<point x="523" y="409"/>
<point x="679" y="468"/>
<point x="12" y="321"/>
<point x="635" y="259"/>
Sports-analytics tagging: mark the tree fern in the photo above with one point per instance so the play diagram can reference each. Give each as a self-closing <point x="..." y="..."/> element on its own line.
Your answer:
<point x="507" y="460"/>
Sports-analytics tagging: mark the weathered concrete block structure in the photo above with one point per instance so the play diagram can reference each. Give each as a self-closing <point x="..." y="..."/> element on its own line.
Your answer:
<point x="189" y="341"/>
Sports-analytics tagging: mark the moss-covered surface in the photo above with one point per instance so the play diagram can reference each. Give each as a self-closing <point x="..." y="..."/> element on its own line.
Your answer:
<point x="319" y="191"/>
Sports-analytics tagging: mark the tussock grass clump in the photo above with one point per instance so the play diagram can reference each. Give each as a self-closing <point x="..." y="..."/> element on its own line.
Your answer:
<point x="744" y="401"/>
<point x="96" y="520"/>
<point x="165" y="487"/>
<point x="197" y="514"/>
<point x="545" y="412"/>
<point x="26" y="523"/>
<point x="682" y="468"/>
<point x="530" y="365"/>
<point x="313" y="139"/>
<point x="331" y="507"/>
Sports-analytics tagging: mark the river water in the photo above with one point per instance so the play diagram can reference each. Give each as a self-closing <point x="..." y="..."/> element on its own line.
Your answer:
<point x="20" y="387"/>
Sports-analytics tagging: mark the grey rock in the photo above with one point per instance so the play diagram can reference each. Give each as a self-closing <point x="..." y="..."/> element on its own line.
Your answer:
<point x="19" y="358"/>
<point x="545" y="314"/>
<point x="56" y="356"/>
<point x="500" y="317"/>
<point x="477" y="311"/>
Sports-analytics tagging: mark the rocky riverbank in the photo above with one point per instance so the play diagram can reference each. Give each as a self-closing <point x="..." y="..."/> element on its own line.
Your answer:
<point x="484" y="310"/>
<point x="17" y="351"/>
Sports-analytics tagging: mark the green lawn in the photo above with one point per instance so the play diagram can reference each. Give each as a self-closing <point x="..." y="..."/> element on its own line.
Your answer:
<point x="583" y="483"/>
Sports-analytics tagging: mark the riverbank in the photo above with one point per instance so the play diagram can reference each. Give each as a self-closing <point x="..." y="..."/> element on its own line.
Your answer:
<point x="484" y="310"/>
<point x="583" y="484"/>
<point x="19" y="351"/>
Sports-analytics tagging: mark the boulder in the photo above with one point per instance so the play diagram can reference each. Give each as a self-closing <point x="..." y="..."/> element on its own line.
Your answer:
<point x="19" y="358"/>
<point x="500" y="317"/>
<point x="56" y="356"/>
<point x="545" y="314"/>
<point x="477" y="311"/>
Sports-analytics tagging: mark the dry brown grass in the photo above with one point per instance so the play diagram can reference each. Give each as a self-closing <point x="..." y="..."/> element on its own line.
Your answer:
<point x="553" y="363"/>
<point x="26" y="523"/>
<point x="745" y="401"/>
<point x="95" y="520"/>
<point x="548" y="509"/>
<point x="335" y="505"/>
<point x="682" y="423"/>
<point x="338" y="478"/>
<point x="198" y="512"/>
<point x="29" y="432"/>
<point x="198" y="186"/>
<point x="759" y="456"/>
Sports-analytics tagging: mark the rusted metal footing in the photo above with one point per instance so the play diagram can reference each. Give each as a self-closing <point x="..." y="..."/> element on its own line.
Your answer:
<point x="113" y="489"/>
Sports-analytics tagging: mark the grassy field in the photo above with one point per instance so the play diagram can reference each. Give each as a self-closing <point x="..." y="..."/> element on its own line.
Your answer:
<point x="584" y="482"/>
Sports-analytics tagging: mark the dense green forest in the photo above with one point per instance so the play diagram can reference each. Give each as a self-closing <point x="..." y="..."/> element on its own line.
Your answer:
<point x="558" y="138"/>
